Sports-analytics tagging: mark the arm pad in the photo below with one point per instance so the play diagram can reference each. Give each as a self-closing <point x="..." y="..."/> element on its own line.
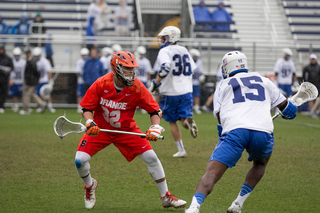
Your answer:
<point x="164" y="70"/>
<point x="290" y="112"/>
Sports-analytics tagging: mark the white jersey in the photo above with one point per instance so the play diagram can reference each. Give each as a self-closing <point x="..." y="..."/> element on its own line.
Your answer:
<point x="106" y="63"/>
<point x="245" y="101"/>
<point x="197" y="73"/>
<point x="179" y="79"/>
<point x="284" y="69"/>
<point x="44" y="67"/>
<point x="79" y="70"/>
<point x="144" y="69"/>
<point x="17" y="74"/>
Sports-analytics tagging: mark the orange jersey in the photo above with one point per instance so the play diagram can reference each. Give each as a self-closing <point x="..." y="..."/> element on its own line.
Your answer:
<point x="115" y="110"/>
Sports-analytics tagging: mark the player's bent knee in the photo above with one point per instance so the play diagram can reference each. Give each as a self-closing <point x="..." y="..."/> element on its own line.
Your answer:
<point x="78" y="163"/>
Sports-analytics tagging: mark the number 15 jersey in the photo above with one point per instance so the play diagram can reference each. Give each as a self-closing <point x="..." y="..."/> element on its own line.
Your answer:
<point x="245" y="101"/>
<point x="179" y="79"/>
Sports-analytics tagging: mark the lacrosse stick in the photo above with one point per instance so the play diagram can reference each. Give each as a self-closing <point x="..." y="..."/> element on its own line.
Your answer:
<point x="307" y="92"/>
<point x="45" y="90"/>
<point x="62" y="126"/>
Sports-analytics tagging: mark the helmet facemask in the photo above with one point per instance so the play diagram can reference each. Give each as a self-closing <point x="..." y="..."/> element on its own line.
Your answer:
<point x="126" y="74"/>
<point x="163" y="41"/>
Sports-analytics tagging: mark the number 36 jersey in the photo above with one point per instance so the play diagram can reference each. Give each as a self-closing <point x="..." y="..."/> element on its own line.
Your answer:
<point x="179" y="79"/>
<point x="245" y="101"/>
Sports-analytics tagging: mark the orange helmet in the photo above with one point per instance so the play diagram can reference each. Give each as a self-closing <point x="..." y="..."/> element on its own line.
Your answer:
<point x="120" y="63"/>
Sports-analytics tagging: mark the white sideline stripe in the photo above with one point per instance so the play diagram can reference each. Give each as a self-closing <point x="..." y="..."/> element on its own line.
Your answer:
<point x="299" y="124"/>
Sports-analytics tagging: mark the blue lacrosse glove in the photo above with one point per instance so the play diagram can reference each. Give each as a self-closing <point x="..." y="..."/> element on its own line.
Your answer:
<point x="219" y="128"/>
<point x="290" y="112"/>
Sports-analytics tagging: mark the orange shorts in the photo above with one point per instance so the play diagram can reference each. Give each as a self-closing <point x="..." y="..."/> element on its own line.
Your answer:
<point x="129" y="145"/>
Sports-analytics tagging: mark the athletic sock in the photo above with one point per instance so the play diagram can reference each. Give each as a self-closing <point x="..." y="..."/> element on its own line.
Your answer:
<point x="87" y="180"/>
<point x="197" y="200"/>
<point x="180" y="145"/>
<point x="163" y="188"/>
<point x="50" y="105"/>
<point x="243" y="194"/>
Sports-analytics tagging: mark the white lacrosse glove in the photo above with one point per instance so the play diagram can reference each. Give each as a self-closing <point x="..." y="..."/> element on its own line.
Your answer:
<point x="154" y="132"/>
<point x="154" y="87"/>
<point x="202" y="79"/>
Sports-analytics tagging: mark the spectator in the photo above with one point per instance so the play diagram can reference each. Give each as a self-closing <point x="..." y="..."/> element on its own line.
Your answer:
<point x="92" y="69"/>
<point x="284" y="70"/>
<point x="90" y="31"/>
<point x="6" y="66"/>
<point x="22" y="27"/>
<point x="49" y="51"/>
<point x="201" y="12"/>
<point x="4" y="29"/>
<point x="197" y="78"/>
<point x="106" y="58"/>
<point x="175" y="82"/>
<point x="221" y="15"/>
<point x="122" y="19"/>
<point x="44" y="68"/>
<point x="84" y="52"/>
<point x="311" y="73"/>
<point x="244" y="122"/>
<point x="38" y="28"/>
<point x="98" y="9"/>
<point x="31" y="79"/>
<point x="16" y="77"/>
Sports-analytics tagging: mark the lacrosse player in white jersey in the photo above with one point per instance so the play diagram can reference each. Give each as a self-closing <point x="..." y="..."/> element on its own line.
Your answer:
<point x="175" y="77"/>
<point x="197" y="78"/>
<point x="284" y="70"/>
<point x="44" y="68"/>
<point x="242" y="105"/>
<point x="84" y="52"/>
<point x="106" y="58"/>
<point x="16" y="77"/>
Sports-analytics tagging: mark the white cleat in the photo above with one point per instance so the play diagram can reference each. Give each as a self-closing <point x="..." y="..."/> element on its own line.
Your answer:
<point x="52" y="110"/>
<point x="180" y="154"/>
<point x="2" y="110"/>
<point x="170" y="201"/>
<point x="234" y="208"/>
<point x="192" y="210"/>
<point x="15" y="108"/>
<point x="22" y="112"/>
<point x="90" y="195"/>
<point x="192" y="127"/>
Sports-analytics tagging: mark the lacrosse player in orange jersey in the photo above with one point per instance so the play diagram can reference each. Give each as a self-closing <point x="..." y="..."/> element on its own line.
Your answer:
<point x="110" y="103"/>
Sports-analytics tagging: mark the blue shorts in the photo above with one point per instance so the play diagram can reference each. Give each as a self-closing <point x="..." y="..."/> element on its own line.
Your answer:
<point x="81" y="90"/>
<point x="286" y="88"/>
<point x="196" y="91"/>
<point x="176" y="107"/>
<point x="38" y="87"/>
<point x="15" y="90"/>
<point x="228" y="151"/>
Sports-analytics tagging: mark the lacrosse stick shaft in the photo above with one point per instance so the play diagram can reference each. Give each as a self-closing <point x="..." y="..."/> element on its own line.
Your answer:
<point x="126" y="133"/>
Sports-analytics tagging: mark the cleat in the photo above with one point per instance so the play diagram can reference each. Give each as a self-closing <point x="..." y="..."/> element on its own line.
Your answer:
<point x="192" y="127"/>
<point x="192" y="210"/>
<point x="22" y="112"/>
<point x="206" y="109"/>
<point x="181" y="154"/>
<point x="197" y="111"/>
<point x="15" y="108"/>
<point x="170" y="201"/>
<point x="52" y="110"/>
<point x="90" y="195"/>
<point x="234" y="208"/>
<point x="2" y="110"/>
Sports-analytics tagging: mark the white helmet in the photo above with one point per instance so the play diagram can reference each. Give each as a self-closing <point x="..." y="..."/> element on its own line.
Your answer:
<point x="116" y="47"/>
<point x="84" y="51"/>
<point x="107" y="51"/>
<point x="234" y="62"/>
<point x="287" y="51"/>
<point x="194" y="53"/>
<point x="36" y="51"/>
<point x="141" y="50"/>
<point x="16" y="51"/>
<point x="173" y="34"/>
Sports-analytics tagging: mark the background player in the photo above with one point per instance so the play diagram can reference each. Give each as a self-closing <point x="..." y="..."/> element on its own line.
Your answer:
<point x="197" y="78"/>
<point x="284" y="70"/>
<point x="84" y="52"/>
<point x="16" y="77"/>
<point x="110" y="103"/>
<point x="175" y="75"/>
<point x="241" y="98"/>
<point x="107" y="53"/>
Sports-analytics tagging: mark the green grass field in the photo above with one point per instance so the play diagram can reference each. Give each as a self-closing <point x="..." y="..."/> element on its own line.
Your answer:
<point x="38" y="174"/>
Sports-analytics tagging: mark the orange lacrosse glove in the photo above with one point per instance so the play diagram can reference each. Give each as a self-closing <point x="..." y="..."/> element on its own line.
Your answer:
<point x="154" y="132"/>
<point x="92" y="128"/>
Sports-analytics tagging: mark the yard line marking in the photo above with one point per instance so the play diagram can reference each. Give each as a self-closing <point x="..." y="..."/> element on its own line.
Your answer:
<point x="300" y="124"/>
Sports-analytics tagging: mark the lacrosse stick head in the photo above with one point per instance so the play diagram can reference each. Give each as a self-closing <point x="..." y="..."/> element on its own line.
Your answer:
<point x="62" y="126"/>
<point x="306" y="92"/>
